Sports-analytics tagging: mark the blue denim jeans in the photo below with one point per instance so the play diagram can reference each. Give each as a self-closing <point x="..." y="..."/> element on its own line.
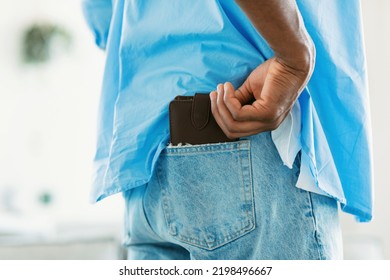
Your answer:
<point x="229" y="201"/>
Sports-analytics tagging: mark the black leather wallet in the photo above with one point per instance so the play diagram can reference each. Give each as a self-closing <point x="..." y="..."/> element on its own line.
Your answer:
<point x="192" y="122"/>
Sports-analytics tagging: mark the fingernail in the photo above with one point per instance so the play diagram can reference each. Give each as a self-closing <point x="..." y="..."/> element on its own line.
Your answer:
<point x="226" y="87"/>
<point x="220" y="89"/>
<point x="213" y="96"/>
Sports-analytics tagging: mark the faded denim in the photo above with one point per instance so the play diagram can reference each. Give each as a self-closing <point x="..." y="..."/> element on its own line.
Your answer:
<point x="229" y="201"/>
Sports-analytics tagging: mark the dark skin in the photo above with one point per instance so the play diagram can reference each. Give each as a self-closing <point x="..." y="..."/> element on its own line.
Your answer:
<point x="266" y="97"/>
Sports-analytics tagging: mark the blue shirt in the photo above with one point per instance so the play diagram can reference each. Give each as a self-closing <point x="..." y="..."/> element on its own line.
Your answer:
<point x="159" y="49"/>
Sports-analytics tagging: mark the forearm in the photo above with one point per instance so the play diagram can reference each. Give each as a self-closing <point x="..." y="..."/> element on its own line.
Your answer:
<point x="281" y="25"/>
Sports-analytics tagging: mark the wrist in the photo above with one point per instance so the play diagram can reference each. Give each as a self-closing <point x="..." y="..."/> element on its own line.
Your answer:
<point x="299" y="54"/>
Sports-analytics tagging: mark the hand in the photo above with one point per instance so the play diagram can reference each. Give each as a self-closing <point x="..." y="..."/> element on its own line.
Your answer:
<point x="263" y="100"/>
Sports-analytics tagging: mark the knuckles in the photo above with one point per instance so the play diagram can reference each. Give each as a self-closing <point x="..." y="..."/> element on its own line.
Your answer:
<point x="231" y="135"/>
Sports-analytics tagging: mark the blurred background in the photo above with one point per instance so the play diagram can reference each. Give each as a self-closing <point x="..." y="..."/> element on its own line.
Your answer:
<point x="50" y="76"/>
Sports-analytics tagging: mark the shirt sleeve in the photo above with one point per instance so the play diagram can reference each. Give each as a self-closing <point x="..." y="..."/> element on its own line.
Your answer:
<point x="98" y="16"/>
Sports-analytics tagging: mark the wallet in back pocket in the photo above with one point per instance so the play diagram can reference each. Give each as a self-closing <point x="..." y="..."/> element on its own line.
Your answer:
<point x="192" y="122"/>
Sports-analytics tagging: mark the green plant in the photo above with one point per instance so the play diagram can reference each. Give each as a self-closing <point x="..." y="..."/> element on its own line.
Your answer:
<point x="41" y="39"/>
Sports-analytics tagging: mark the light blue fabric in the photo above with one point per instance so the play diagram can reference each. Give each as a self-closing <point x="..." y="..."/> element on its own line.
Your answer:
<point x="229" y="201"/>
<point x="159" y="49"/>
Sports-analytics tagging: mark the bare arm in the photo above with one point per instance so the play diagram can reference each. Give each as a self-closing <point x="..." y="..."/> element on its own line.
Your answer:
<point x="281" y="25"/>
<point x="275" y="85"/>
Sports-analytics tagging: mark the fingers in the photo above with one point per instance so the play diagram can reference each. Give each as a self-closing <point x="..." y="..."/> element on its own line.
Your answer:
<point x="238" y="110"/>
<point x="272" y="86"/>
<point x="220" y="111"/>
<point x="234" y="119"/>
<point x="250" y="90"/>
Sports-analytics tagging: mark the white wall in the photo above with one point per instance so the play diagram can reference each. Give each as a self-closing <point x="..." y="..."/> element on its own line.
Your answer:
<point x="48" y="118"/>
<point x="377" y="37"/>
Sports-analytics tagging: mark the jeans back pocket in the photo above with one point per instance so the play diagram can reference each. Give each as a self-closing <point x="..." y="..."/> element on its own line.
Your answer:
<point x="207" y="192"/>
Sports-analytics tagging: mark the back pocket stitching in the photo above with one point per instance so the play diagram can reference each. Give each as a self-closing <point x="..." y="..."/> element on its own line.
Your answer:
<point x="242" y="152"/>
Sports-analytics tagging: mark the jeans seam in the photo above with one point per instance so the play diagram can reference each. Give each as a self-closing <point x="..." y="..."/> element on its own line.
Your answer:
<point x="164" y="201"/>
<point x="249" y="193"/>
<point x="144" y="220"/>
<point x="145" y="217"/>
<point x="315" y="225"/>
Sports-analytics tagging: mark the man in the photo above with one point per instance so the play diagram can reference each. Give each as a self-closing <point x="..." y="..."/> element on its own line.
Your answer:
<point x="269" y="195"/>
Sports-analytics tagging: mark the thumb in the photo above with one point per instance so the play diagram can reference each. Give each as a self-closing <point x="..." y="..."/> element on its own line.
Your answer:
<point x="251" y="89"/>
<point x="244" y="93"/>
